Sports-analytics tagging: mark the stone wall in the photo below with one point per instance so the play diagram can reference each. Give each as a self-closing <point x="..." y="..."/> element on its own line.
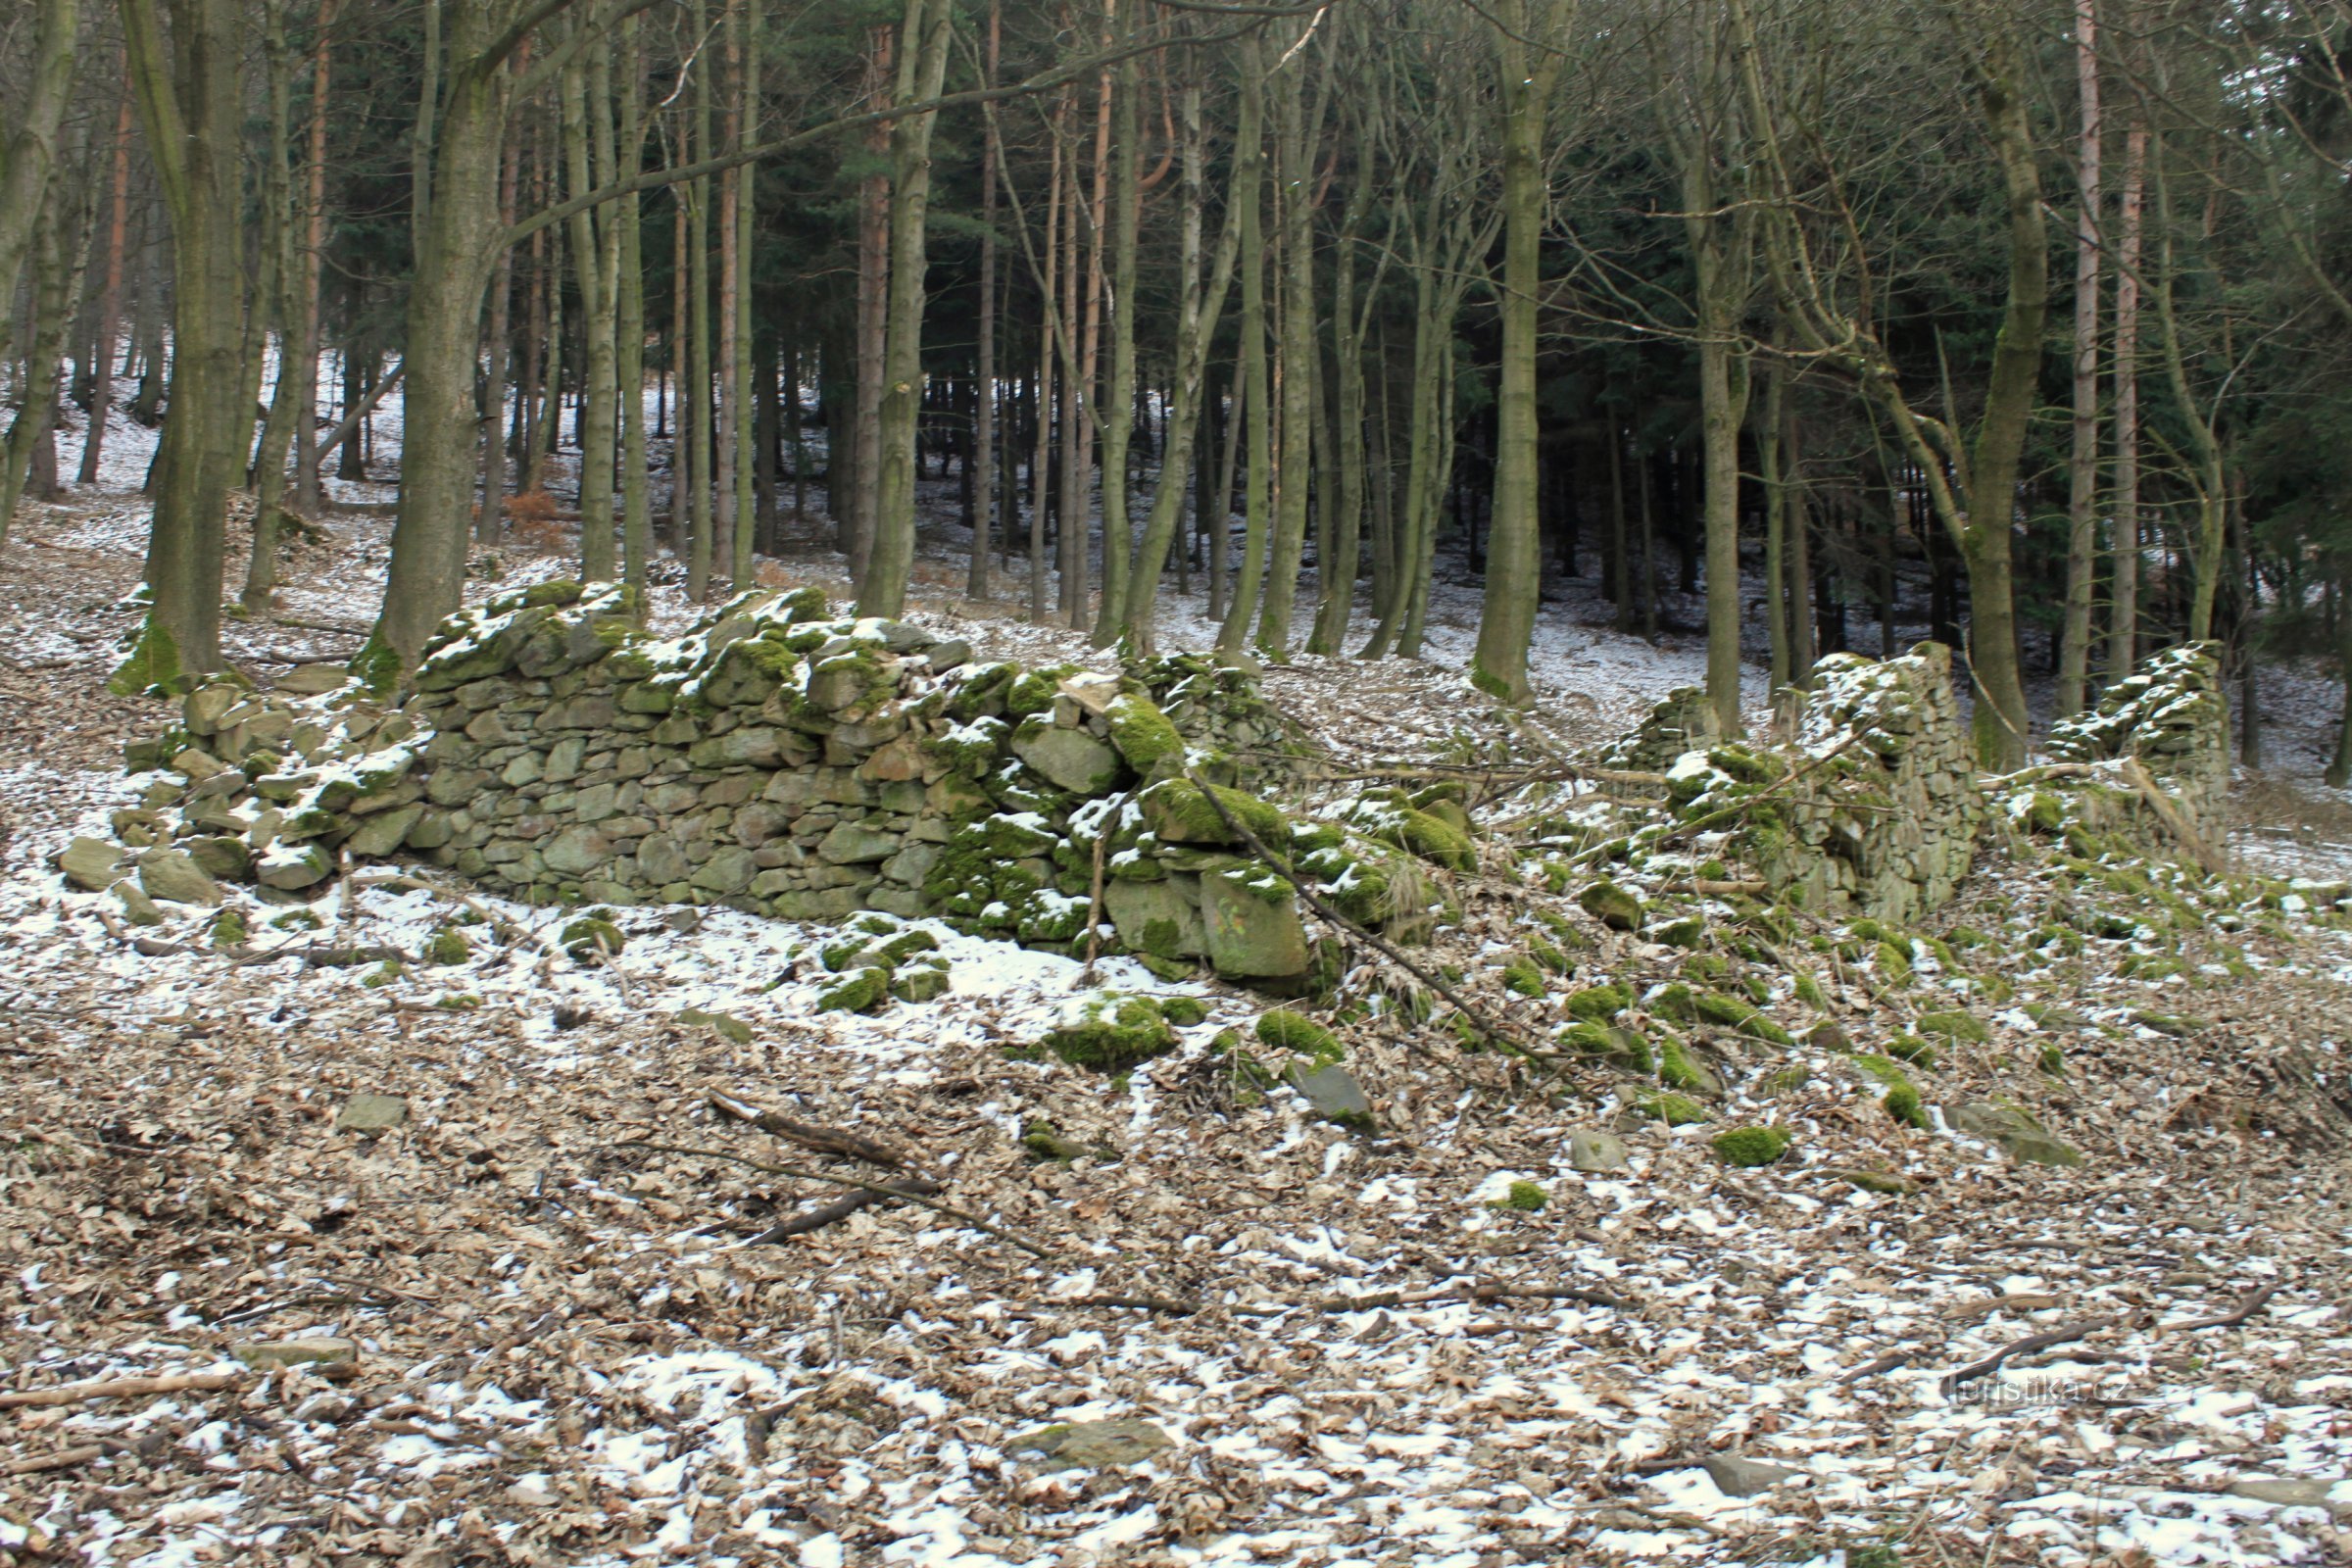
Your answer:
<point x="1874" y="809"/>
<point x="2174" y="716"/>
<point x="777" y="760"/>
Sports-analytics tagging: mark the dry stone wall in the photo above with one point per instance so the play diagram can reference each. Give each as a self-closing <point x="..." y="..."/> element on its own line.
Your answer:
<point x="2174" y="716"/>
<point x="778" y="759"/>
<point x="1876" y="808"/>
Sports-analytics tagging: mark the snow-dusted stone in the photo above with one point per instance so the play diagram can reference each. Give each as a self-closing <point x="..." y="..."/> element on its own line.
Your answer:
<point x="309" y="681"/>
<point x="2297" y="1493"/>
<point x="1090" y="1445"/>
<point x="371" y="1115"/>
<point x="1070" y="758"/>
<point x="1735" y="1477"/>
<point x="92" y="863"/>
<point x="270" y="1356"/>
<point x="1594" y="1150"/>
<point x="176" y="878"/>
<point x="1333" y="1094"/>
<point x="2014" y="1132"/>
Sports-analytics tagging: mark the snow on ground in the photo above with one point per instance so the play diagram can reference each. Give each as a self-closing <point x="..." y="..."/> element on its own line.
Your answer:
<point x="567" y="1351"/>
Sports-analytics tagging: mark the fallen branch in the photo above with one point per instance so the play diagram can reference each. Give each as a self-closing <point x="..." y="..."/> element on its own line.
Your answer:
<point x="901" y="1193"/>
<point x="1884" y="1363"/>
<point x="2250" y="1303"/>
<point x="2065" y="1334"/>
<point x="820" y="1140"/>
<point x="119" y="1389"/>
<point x="841" y="1209"/>
<point x="61" y="1459"/>
<point x="1184" y="1307"/>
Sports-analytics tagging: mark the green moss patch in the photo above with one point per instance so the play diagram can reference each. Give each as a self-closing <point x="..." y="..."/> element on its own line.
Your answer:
<point x="1750" y="1147"/>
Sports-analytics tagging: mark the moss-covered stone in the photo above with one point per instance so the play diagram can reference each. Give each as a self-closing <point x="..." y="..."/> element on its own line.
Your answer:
<point x="1599" y="1004"/>
<point x="593" y="937"/>
<point x="1521" y="978"/>
<point x="1727" y="1012"/>
<point x="1177" y="812"/>
<point x="446" y="946"/>
<point x="1954" y="1023"/>
<point x="1142" y="734"/>
<point x="1675" y="1110"/>
<point x="1524" y="1197"/>
<point x="1183" y="1011"/>
<point x="1903" y="1105"/>
<point x="1611" y="904"/>
<point x="1689" y="933"/>
<point x="1112" y="1033"/>
<point x="1623" y="1048"/>
<point x="1750" y="1147"/>
<point x="861" y="991"/>
<point x="1285" y="1030"/>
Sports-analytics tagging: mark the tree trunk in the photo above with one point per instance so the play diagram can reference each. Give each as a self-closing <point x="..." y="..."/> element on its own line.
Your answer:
<point x="2123" y="624"/>
<point x="1118" y="385"/>
<point x="984" y="398"/>
<point x="2083" y="465"/>
<point x="289" y="402"/>
<point x="29" y="151"/>
<point x="454" y="261"/>
<point x="109" y="303"/>
<point x="873" y="325"/>
<point x="1257" y="395"/>
<point x="1514" y="549"/>
<point x="923" y="64"/>
<point x="192" y="112"/>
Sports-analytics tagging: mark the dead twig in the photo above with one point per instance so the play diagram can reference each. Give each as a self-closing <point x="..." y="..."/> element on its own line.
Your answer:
<point x="2248" y="1304"/>
<point x="819" y="1140"/>
<point x="903" y="1191"/>
<point x="2064" y="1334"/>
<point x="119" y="1389"/>
<point x="61" y="1459"/>
<point x="1373" y="1301"/>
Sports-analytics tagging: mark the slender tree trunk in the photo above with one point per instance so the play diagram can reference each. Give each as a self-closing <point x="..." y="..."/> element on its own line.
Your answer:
<point x="2082" y="466"/>
<point x="984" y="401"/>
<point x="29" y="149"/>
<point x="1042" y="389"/>
<point x="1295" y="346"/>
<point x="489" y="517"/>
<point x="192" y="110"/>
<point x="637" y="511"/>
<point x="289" y="399"/>
<point x="731" y="545"/>
<point x="873" y="325"/>
<point x="1200" y="303"/>
<point x="1802" y="638"/>
<point x="1257" y="395"/>
<point x="109" y="303"/>
<point x="1119" y="383"/>
<point x="2123" y="624"/>
<point x="1514" y="564"/>
<point x="587" y="131"/>
<point x="57" y="274"/>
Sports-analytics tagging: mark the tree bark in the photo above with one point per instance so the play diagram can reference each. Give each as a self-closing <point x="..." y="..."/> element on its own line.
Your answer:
<point x="924" y="43"/>
<point x="2083" y="465"/>
<point x="1514" y="549"/>
<point x="191" y="111"/>
<point x="2122" y="622"/>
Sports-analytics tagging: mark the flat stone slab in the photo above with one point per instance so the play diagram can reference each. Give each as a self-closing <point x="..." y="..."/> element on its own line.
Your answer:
<point x="267" y="1356"/>
<point x="1745" y="1477"/>
<point x="1089" y="1445"/>
<point x="373" y="1116"/>
<point x="1591" y="1150"/>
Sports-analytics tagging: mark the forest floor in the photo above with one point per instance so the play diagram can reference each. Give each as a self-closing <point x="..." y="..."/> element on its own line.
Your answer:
<point x="564" y="1353"/>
